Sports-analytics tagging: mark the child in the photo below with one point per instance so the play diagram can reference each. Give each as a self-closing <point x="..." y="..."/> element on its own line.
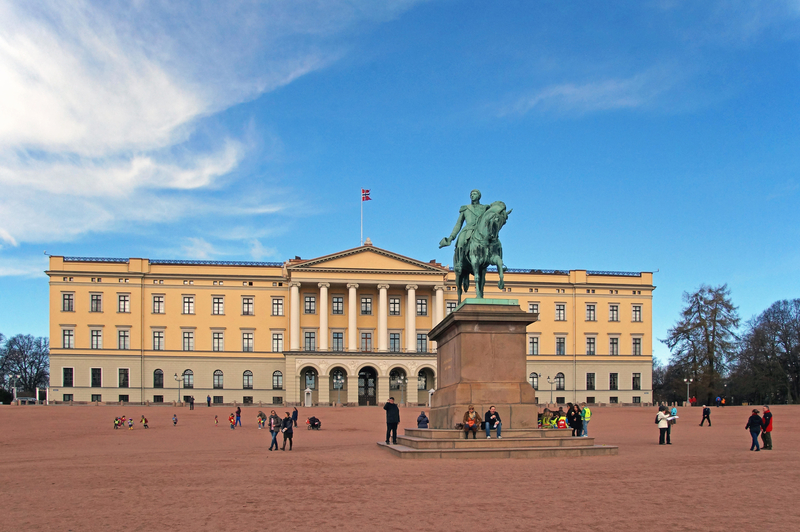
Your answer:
<point x="143" y="421"/>
<point x="216" y="421"/>
<point x="232" y="421"/>
<point x="130" y="424"/>
<point x="174" y="420"/>
<point x="116" y="423"/>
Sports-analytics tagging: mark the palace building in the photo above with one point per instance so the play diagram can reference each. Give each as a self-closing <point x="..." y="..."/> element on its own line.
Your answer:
<point x="350" y="327"/>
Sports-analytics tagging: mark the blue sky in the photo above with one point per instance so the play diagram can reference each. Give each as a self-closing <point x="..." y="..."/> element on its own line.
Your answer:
<point x="636" y="136"/>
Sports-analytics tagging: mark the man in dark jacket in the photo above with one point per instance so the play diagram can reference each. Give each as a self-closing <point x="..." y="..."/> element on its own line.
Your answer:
<point x="492" y="419"/>
<point x="766" y="428"/>
<point x="392" y="420"/>
<point x="706" y="415"/>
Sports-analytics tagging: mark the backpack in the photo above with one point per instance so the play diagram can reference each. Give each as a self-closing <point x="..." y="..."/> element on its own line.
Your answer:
<point x="656" y="419"/>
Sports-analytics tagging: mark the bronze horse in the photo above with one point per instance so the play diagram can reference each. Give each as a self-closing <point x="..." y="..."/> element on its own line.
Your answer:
<point x="483" y="249"/>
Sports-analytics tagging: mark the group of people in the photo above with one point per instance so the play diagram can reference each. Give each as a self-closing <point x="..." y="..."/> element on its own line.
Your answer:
<point x="119" y="422"/>
<point x="760" y="425"/>
<point x="756" y="424"/>
<point x="491" y="421"/>
<point x="576" y="417"/>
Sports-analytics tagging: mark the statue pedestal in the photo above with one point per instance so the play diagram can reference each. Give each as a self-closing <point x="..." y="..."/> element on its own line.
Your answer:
<point x="481" y="361"/>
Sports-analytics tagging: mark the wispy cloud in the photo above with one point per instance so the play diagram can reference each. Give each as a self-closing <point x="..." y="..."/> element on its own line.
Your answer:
<point x="259" y="252"/>
<point x="23" y="267"/>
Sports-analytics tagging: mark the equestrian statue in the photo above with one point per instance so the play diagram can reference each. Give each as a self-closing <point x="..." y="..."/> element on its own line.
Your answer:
<point x="477" y="246"/>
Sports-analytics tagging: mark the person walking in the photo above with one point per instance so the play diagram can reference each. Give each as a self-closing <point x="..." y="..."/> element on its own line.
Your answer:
<point x="208" y="400"/>
<point x="191" y="403"/>
<point x="662" y="418"/>
<point x="706" y="415"/>
<point x="239" y="415"/>
<point x="287" y="430"/>
<point x="392" y="420"/>
<point x="766" y="429"/>
<point x="422" y="421"/>
<point x="275" y="425"/>
<point x="586" y="416"/>
<point x="295" y="414"/>
<point x="754" y="426"/>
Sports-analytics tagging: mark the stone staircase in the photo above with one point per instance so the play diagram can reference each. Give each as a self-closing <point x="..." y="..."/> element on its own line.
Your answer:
<point x="515" y="443"/>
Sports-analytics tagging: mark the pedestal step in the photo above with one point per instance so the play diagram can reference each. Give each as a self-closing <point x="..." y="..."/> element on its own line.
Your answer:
<point x="453" y="434"/>
<point x="506" y="442"/>
<point x="491" y="451"/>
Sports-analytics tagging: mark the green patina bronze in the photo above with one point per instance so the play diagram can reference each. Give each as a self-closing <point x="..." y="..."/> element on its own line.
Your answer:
<point x="477" y="246"/>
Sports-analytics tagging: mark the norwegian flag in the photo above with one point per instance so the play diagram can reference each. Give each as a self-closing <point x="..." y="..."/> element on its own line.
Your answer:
<point x="365" y="194"/>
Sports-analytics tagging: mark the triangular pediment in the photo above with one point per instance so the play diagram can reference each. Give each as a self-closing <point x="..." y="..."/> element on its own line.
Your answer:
<point x="367" y="259"/>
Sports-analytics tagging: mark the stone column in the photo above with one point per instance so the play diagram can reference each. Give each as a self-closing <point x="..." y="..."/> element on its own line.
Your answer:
<point x="383" y="318"/>
<point x="352" y="388"/>
<point x="294" y="316"/>
<point x="323" y="316"/>
<point x="383" y="390"/>
<point x="323" y="389"/>
<point x="438" y="308"/>
<point x="411" y="320"/>
<point x="352" y="316"/>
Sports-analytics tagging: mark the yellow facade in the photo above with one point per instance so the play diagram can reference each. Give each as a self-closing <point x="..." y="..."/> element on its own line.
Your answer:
<point x="350" y="327"/>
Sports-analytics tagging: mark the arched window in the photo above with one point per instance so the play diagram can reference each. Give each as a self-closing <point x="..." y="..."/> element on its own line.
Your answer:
<point x="338" y="379"/>
<point x="247" y="380"/>
<point x="396" y="377"/>
<point x="422" y="380"/>
<point x="277" y="380"/>
<point x="534" y="380"/>
<point x="560" y="383"/>
<point x="218" y="379"/>
<point x="310" y="378"/>
<point x="158" y="379"/>
<point x="188" y="379"/>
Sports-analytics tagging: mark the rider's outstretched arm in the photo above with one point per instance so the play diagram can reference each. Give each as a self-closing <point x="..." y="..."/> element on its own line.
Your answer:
<point x="448" y="240"/>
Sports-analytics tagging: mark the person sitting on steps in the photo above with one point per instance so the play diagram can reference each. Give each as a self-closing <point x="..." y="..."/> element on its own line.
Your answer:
<point x="472" y="420"/>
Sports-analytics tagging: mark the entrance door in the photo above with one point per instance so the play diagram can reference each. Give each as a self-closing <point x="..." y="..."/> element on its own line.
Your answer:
<point x="367" y="383"/>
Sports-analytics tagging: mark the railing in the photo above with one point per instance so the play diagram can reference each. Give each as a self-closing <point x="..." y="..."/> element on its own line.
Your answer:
<point x="493" y="269"/>
<point x="215" y="262"/>
<point x="95" y="259"/>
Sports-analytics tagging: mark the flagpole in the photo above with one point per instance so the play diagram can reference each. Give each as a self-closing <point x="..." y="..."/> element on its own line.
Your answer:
<point x="362" y="218"/>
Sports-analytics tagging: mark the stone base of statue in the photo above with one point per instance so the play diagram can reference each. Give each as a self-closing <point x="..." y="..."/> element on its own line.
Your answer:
<point x="481" y="361"/>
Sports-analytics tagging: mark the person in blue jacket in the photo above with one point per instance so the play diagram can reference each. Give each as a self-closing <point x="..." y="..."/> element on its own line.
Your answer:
<point x="754" y="425"/>
<point x="422" y="421"/>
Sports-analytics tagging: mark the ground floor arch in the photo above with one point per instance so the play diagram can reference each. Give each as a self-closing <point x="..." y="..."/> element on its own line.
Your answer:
<point x="367" y="386"/>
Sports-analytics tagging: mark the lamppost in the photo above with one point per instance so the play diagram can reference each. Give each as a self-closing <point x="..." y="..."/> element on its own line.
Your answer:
<point x="16" y="384"/>
<point x="789" y="390"/>
<point x="551" y="382"/>
<point x="338" y="380"/>
<point x="403" y="386"/>
<point x="688" y="383"/>
<point x="725" y="392"/>
<point x="178" y="380"/>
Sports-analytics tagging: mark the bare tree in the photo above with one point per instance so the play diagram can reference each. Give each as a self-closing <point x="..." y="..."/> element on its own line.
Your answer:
<point x="703" y="340"/>
<point x="27" y="357"/>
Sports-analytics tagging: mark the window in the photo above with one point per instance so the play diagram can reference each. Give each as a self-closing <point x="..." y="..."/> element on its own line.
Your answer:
<point x="247" y="342"/>
<point x="422" y="343"/>
<point x="310" y="305"/>
<point x="277" y="380"/>
<point x="123" y="377"/>
<point x="277" y="400"/>
<point x="366" y="341"/>
<point x="396" y="379"/>
<point x="97" y="339"/>
<point x="613" y="346"/>
<point x="533" y="378"/>
<point x="560" y="400"/>
<point x="422" y="306"/>
<point x="422" y="380"/>
<point x="158" y="398"/>
<point x="451" y="306"/>
<point x="613" y="400"/>
<point x="277" y="306"/>
<point x="218" y="379"/>
<point x="561" y="312"/>
<point x="217" y="306"/>
<point x="394" y="342"/>
<point x="217" y="341"/>
<point x="533" y="345"/>
<point x="590" y="381"/>
<point x="67" y="397"/>
<point x="590" y="400"/>
<point x="394" y="306"/>
<point x="366" y="306"/>
<point x="310" y="379"/>
<point x="68" y="338"/>
<point x="158" y="340"/>
<point x="68" y="302"/>
<point x="560" y="381"/>
<point x="637" y="399"/>
<point x="310" y="341"/>
<point x="124" y="303"/>
<point x="247" y="380"/>
<point x="247" y="306"/>
<point x="591" y="315"/>
<point x="188" y="304"/>
<point x="247" y="399"/>
<point x="338" y="379"/>
<point x="613" y="313"/>
<point x="337" y="305"/>
<point x="158" y="304"/>
<point x="158" y="379"/>
<point x="561" y="345"/>
<point x="636" y="348"/>
<point x="613" y="381"/>
<point x="188" y="340"/>
<point x="97" y="377"/>
<point x="123" y="339"/>
<point x="188" y="379"/>
<point x="96" y="304"/>
<point x="636" y="383"/>
<point x="217" y="399"/>
<point x="533" y="308"/>
<point x="636" y="313"/>
<point x="338" y="342"/>
<point x="591" y="345"/>
<point x="277" y="342"/>
<point x="66" y="377"/>
<point x="97" y="398"/>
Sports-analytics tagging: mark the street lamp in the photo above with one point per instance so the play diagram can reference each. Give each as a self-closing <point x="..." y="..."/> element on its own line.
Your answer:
<point x="688" y="383"/>
<point x="338" y="380"/>
<point x="16" y="384"/>
<point x="403" y="386"/>
<point x="725" y="392"/>
<point x="178" y="380"/>
<point x="551" y="388"/>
